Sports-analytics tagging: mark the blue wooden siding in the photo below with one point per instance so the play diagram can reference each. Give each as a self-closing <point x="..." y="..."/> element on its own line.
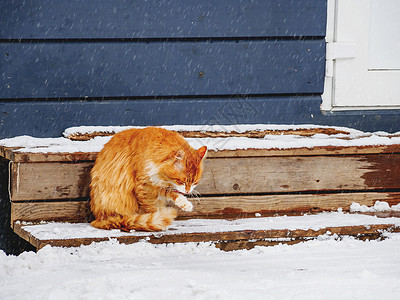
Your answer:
<point x="43" y="70"/>
<point x="129" y="19"/>
<point x="107" y="62"/>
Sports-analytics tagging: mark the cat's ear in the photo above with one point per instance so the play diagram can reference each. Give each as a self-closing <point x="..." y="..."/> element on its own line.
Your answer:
<point x="202" y="152"/>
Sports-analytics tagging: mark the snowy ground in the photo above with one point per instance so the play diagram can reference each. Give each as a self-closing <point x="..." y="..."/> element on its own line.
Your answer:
<point x="322" y="269"/>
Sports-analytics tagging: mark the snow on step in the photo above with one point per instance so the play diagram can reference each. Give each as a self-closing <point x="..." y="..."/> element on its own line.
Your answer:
<point x="215" y="128"/>
<point x="354" y="137"/>
<point x="50" y="231"/>
<point x="379" y="206"/>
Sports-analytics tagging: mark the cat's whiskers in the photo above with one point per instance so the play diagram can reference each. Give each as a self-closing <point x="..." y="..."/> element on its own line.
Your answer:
<point x="195" y="195"/>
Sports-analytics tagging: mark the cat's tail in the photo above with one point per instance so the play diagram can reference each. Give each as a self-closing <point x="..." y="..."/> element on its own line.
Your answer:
<point x="155" y="221"/>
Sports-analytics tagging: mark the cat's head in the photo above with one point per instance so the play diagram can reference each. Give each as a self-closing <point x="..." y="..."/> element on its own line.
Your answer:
<point x="180" y="171"/>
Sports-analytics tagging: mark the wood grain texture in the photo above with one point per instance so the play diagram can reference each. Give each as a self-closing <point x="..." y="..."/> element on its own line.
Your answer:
<point x="231" y="206"/>
<point x="296" y="236"/>
<point x="72" y="211"/>
<point x="294" y="174"/>
<point x="40" y="181"/>
<point x="15" y="156"/>
<point x="101" y="19"/>
<point x="227" y="207"/>
<point x="161" y="69"/>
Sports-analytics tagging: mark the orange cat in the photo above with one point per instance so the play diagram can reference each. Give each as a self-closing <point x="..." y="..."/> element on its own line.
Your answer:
<point x="137" y="173"/>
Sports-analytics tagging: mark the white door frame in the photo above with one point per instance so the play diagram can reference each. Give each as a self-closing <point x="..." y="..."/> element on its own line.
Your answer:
<point x="339" y="51"/>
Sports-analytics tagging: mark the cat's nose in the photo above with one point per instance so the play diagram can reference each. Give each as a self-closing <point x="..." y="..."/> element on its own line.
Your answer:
<point x="187" y="189"/>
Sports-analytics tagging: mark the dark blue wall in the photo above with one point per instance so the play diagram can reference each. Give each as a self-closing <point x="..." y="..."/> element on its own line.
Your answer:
<point x="132" y="62"/>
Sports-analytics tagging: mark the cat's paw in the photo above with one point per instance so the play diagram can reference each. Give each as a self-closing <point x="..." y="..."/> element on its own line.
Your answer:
<point x="183" y="203"/>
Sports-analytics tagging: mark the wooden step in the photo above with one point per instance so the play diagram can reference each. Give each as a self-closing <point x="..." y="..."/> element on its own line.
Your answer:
<point x="260" y="170"/>
<point x="215" y="207"/>
<point x="225" y="234"/>
<point x="54" y="186"/>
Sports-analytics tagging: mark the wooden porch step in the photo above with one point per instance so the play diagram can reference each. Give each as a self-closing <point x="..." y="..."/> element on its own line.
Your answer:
<point x="319" y="169"/>
<point x="251" y="170"/>
<point x="225" y="234"/>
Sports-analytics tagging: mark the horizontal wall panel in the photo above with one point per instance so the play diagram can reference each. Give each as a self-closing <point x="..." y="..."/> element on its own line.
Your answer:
<point x="50" y="118"/>
<point x="43" y="70"/>
<point x="46" y="19"/>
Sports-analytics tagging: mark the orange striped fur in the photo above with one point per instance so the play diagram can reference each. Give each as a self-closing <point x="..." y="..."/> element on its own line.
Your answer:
<point x="136" y="175"/>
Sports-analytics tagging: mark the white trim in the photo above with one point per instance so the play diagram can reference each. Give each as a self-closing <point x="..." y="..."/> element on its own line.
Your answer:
<point x="349" y="108"/>
<point x="328" y="94"/>
<point x="343" y="52"/>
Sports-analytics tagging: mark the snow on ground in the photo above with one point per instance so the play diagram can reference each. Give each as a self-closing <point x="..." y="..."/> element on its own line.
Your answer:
<point x="321" y="269"/>
<point x="325" y="268"/>
<point x="354" y="138"/>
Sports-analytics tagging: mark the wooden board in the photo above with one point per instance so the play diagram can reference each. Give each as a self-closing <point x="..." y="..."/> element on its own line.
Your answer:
<point x="72" y="211"/>
<point x="232" y="237"/>
<point x="161" y="69"/>
<point x="227" y="207"/>
<point x="40" y="181"/>
<point x="294" y="174"/>
<point x="42" y="19"/>
<point x="15" y="156"/>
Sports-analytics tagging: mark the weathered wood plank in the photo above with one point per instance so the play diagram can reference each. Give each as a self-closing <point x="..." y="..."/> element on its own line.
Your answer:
<point x="359" y="232"/>
<point x="228" y="207"/>
<point x="161" y="69"/>
<point x="25" y="157"/>
<point x="313" y="151"/>
<point x="42" y="19"/>
<point x="72" y="211"/>
<point x="15" y="156"/>
<point x="17" y="227"/>
<point x="292" y="174"/>
<point x="40" y="181"/>
<point x="231" y="206"/>
<point x="218" y="237"/>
